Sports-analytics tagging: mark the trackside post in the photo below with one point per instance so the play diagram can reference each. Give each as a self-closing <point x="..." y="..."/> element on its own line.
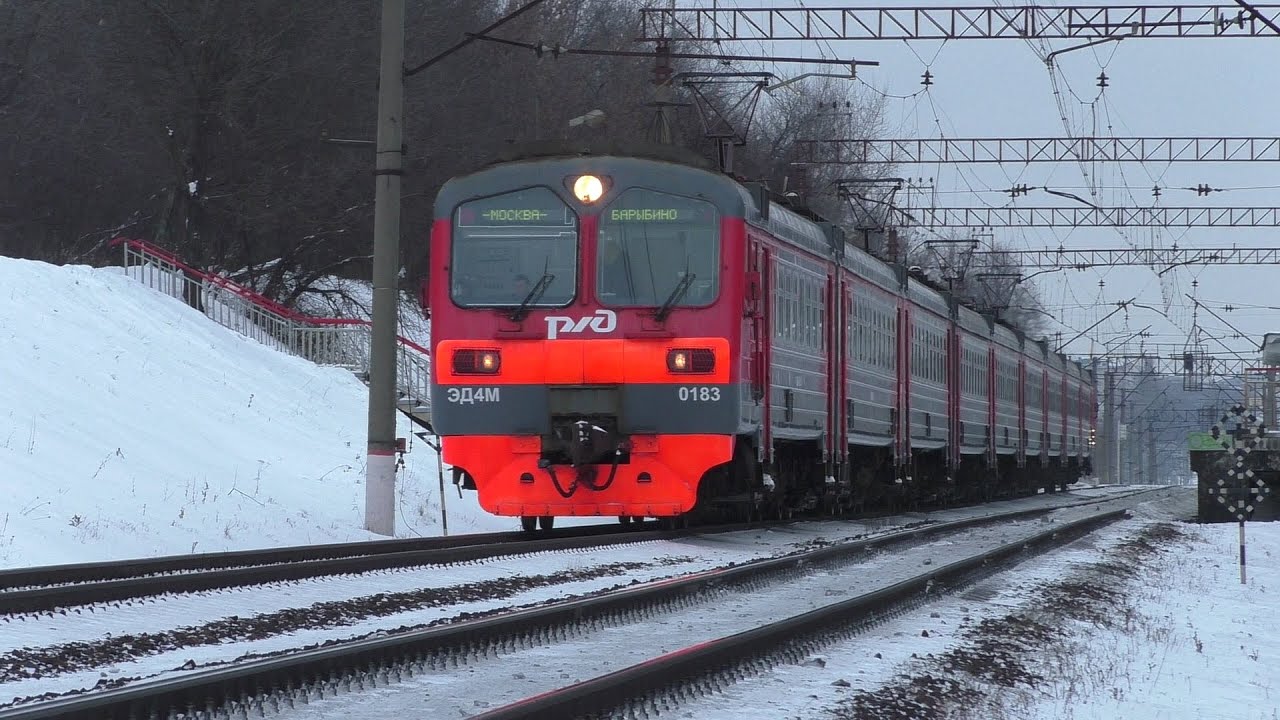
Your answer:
<point x="380" y="477"/>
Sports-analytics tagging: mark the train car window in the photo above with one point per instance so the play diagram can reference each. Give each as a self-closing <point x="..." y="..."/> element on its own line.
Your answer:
<point x="505" y="246"/>
<point x="889" y="326"/>
<point x="783" y="299"/>
<point x="649" y="242"/>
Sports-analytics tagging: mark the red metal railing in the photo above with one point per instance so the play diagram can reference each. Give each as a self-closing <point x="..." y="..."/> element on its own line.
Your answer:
<point x="342" y="342"/>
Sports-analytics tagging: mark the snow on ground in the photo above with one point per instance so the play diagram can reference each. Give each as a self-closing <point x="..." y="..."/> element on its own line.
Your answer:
<point x="529" y="672"/>
<point x="1180" y="640"/>
<point x="1200" y="644"/>
<point x="131" y="425"/>
<point x="218" y="626"/>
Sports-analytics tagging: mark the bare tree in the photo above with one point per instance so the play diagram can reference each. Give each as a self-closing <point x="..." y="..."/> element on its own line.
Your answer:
<point x="998" y="284"/>
<point x="236" y="95"/>
<point x="208" y="127"/>
<point x="815" y="109"/>
<point x="73" y="158"/>
<point x="18" y="25"/>
<point x="991" y="282"/>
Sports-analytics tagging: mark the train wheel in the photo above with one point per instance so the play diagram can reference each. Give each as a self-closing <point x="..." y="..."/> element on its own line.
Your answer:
<point x="624" y="519"/>
<point x="529" y="523"/>
<point x="546" y="522"/>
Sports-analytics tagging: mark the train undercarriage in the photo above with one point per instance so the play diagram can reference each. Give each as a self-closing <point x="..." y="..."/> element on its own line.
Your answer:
<point x="798" y="482"/>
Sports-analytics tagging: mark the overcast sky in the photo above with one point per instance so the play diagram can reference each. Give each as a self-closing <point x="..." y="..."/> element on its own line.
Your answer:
<point x="1157" y="87"/>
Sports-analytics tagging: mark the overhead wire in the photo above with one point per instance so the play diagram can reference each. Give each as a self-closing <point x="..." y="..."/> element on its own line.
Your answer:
<point x="1060" y="81"/>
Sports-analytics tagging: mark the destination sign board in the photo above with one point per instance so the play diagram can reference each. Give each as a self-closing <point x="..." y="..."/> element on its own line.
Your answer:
<point x="650" y="215"/>
<point x="638" y="205"/>
<point x="536" y="207"/>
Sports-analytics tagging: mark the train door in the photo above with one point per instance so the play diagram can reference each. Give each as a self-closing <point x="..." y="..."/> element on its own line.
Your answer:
<point x="992" y="391"/>
<point x="902" y="427"/>
<point x="834" y="330"/>
<point x="1066" y="403"/>
<point x="761" y="309"/>
<point x="1045" y="389"/>
<point x="1022" y="411"/>
<point x="952" y="363"/>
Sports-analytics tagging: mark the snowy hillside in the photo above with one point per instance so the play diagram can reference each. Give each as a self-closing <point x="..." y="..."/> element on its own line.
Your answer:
<point x="130" y="425"/>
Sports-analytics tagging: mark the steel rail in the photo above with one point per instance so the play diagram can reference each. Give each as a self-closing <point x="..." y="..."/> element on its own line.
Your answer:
<point x="606" y="692"/>
<point x="45" y="588"/>
<point x="134" y="567"/>
<point x="247" y="683"/>
<point x="130" y="579"/>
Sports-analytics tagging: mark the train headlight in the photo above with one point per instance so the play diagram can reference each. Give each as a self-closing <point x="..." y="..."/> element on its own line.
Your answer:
<point x="691" y="360"/>
<point x="588" y="188"/>
<point x="477" y="362"/>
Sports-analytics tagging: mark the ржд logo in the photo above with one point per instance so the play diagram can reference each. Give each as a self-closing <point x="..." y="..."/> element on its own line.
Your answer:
<point x="603" y="321"/>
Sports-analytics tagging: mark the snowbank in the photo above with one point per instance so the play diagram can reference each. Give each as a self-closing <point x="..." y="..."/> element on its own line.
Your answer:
<point x="1198" y="644"/>
<point x="131" y="425"/>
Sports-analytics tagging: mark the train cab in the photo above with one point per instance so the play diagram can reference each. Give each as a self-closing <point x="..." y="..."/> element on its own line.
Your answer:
<point x="584" y="330"/>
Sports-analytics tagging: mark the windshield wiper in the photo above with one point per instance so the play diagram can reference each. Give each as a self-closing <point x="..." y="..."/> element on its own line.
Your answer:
<point x="678" y="292"/>
<point x="535" y="293"/>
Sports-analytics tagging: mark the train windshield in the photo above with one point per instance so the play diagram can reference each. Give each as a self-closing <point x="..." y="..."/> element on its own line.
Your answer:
<point x="656" y="249"/>
<point x="514" y="248"/>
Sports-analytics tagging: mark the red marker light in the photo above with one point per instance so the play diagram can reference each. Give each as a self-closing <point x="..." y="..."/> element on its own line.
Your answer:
<point x="691" y="360"/>
<point x="477" y="362"/>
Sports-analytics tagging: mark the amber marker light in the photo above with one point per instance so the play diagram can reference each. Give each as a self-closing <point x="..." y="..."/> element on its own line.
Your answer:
<point x="588" y="188"/>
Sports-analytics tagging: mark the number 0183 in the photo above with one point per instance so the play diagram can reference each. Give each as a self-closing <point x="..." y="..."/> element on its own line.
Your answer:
<point x="698" y="393"/>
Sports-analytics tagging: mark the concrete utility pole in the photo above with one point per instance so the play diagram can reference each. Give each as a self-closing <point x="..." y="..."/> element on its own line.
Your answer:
<point x="1121" y="443"/>
<point x="1108" y="441"/>
<point x="1135" y="454"/>
<point x="1153" y="460"/>
<point x="380" y="477"/>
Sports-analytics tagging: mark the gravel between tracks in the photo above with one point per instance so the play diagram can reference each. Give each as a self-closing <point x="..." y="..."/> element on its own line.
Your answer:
<point x="959" y="657"/>
<point x="51" y="660"/>
<point x="138" y="640"/>
<point x="49" y="655"/>
<point x="489" y="681"/>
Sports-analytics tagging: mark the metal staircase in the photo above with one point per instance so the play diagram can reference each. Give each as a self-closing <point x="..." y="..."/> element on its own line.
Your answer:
<point x="337" y="342"/>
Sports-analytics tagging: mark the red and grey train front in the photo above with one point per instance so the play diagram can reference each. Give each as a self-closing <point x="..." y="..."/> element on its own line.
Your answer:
<point x="584" y="333"/>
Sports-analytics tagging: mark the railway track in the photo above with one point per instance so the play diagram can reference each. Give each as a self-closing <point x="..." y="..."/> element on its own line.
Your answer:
<point x="698" y="669"/>
<point x="295" y="677"/>
<point x="52" y="588"/>
<point x="47" y="589"/>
